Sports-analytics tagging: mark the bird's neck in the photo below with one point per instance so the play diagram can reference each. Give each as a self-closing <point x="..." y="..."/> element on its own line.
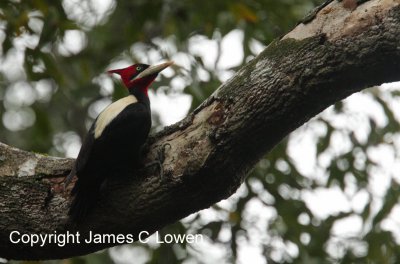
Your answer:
<point x="141" y="95"/>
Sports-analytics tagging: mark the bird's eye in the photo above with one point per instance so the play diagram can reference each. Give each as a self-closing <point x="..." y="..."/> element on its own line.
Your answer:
<point x="139" y="68"/>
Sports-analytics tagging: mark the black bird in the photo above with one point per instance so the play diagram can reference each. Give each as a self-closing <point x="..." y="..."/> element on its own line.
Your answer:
<point x="113" y="144"/>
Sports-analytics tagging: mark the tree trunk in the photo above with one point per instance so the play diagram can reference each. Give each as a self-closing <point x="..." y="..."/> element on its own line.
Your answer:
<point x="340" y="49"/>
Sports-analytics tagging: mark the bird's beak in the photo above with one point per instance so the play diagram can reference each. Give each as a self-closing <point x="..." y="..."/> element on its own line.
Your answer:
<point x="114" y="71"/>
<point x="154" y="69"/>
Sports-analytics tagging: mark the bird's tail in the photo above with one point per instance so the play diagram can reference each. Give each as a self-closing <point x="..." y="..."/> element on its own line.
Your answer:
<point x="84" y="199"/>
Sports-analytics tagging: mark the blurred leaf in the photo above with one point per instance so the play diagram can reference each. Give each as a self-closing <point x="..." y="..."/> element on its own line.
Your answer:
<point x="391" y="199"/>
<point x="242" y="11"/>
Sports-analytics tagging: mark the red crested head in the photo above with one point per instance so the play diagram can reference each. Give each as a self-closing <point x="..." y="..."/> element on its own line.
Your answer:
<point x="140" y="76"/>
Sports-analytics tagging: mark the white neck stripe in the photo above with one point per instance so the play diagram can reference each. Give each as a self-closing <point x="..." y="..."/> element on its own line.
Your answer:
<point x="111" y="112"/>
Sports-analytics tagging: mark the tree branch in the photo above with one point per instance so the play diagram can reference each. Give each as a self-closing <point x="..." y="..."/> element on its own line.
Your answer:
<point x="336" y="53"/>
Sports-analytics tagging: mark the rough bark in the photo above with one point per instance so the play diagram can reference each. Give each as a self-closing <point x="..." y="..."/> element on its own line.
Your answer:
<point x="341" y="49"/>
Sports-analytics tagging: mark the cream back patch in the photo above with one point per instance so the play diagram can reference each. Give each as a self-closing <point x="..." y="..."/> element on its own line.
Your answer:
<point x="111" y="112"/>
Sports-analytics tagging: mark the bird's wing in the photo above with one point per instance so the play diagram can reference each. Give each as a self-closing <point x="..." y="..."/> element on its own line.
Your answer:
<point x="93" y="151"/>
<point x="85" y="151"/>
<point x="83" y="156"/>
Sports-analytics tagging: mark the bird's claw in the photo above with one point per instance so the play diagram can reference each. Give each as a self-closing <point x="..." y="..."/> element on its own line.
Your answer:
<point x="160" y="159"/>
<point x="161" y="152"/>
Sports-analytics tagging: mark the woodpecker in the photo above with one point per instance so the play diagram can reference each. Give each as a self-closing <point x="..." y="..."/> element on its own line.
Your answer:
<point x="113" y="144"/>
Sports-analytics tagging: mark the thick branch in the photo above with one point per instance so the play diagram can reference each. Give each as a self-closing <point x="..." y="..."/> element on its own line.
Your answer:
<point x="339" y="52"/>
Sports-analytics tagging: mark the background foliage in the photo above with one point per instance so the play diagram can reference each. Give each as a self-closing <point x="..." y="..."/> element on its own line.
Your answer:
<point x="326" y="194"/>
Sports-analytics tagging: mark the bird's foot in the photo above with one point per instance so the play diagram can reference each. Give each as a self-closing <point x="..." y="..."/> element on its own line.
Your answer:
<point x="160" y="159"/>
